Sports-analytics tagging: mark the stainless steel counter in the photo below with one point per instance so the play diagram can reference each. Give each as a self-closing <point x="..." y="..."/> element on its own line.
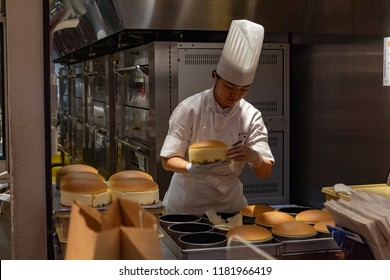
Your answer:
<point x="294" y="249"/>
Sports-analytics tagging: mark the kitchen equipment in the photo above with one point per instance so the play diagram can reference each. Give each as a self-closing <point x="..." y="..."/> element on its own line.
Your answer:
<point x="169" y="219"/>
<point x="177" y="230"/>
<point x="202" y="240"/>
<point x="146" y="94"/>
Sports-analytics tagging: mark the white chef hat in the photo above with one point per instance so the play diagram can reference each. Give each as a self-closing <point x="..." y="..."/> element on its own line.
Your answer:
<point x="241" y="52"/>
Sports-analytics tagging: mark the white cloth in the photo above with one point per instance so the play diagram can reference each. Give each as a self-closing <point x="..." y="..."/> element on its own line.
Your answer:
<point x="241" y="52"/>
<point x="200" y="118"/>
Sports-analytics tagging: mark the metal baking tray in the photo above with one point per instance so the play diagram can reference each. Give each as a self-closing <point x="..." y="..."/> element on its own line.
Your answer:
<point x="275" y="249"/>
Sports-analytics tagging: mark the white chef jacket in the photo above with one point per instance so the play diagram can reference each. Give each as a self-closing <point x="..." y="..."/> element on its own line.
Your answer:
<point x="197" y="118"/>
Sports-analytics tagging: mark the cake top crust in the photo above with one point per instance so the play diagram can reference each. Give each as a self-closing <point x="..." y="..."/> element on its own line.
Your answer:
<point x="255" y="210"/>
<point x="273" y="218"/>
<point x="76" y="168"/>
<point x="251" y="232"/>
<point x="313" y="216"/>
<point x="134" y="185"/>
<point x="85" y="186"/>
<point x="321" y="226"/>
<point x="293" y="228"/>
<point x="127" y="174"/>
<point x="81" y="175"/>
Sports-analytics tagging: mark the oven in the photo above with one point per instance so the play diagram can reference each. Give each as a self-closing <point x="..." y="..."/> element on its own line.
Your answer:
<point x="63" y="109"/>
<point x="144" y="77"/>
<point x="132" y="156"/>
<point x="76" y="91"/>
<point x="77" y="144"/>
<point x="97" y="84"/>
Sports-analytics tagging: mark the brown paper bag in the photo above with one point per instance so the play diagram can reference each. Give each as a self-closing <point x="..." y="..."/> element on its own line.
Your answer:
<point x="124" y="231"/>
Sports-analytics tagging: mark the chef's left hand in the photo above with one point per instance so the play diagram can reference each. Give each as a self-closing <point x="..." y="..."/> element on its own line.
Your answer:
<point x="245" y="153"/>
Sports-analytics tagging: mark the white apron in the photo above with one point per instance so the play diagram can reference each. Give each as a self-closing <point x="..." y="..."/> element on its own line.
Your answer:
<point x="200" y="118"/>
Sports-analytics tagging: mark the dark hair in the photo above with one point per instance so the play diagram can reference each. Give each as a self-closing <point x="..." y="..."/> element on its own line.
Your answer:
<point x="214" y="74"/>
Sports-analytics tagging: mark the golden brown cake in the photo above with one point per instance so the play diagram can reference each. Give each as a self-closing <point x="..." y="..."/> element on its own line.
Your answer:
<point x="251" y="233"/>
<point x="141" y="190"/>
<point x="128" y="174"/>
<point x="271" y="219"/>
<point x="209" y="151"/>
<point x="321" y="225"/>
<point x="80" y="175"/>
<point x="72" y="168"/>
<point x="95" y="193"/>
<point x="255" y="210"/>
<point x="293" y="230"/>
<point x="312" y="216"/>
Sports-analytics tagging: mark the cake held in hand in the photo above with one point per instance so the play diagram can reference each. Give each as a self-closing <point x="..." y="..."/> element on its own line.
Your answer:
<point x="210" y="151"/>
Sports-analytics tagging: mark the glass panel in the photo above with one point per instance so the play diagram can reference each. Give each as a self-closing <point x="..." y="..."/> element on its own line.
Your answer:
<point x="137" y="89"/>
<point x="139" y="124"/>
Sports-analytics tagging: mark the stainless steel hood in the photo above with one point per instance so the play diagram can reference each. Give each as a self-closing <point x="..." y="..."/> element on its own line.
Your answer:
<point x="84" y="28"/>
<point x="81" y="29"/>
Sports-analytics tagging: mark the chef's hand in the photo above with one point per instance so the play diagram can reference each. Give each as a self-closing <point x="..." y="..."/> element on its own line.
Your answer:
<point x="195" y="168"/>
<point x="245" y="153"/>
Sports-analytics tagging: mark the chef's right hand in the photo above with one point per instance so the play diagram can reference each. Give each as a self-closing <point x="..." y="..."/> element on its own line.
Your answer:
<point x="195" y="168"/>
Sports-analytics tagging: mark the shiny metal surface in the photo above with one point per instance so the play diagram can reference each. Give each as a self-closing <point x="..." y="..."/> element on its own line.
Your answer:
<point x="340" y="117"/>
<point x="130" y="23"/>
<point x="146" y="93"/>
<point x="278" y="249"/>
<point x="212" y="15"/>
<point x="76" y="24"/>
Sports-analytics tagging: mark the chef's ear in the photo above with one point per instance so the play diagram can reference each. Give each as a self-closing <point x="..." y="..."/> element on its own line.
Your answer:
<point x="215" y="74"/>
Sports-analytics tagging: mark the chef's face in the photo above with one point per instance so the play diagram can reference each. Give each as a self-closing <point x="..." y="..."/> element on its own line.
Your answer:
<point x="228" y="94"/>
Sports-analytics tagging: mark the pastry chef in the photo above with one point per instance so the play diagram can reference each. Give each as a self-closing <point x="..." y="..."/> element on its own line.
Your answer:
<point x="219" y="113"/>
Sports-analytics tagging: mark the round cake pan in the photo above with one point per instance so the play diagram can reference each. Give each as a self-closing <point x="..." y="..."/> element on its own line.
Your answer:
<point x="169" y="219"/>
<point x="246" y="220"/>
<point x="321" y="234"/>
<point x="177" y="230"/>
<point x="235" y="242"/>
<point x="202" y="240"/>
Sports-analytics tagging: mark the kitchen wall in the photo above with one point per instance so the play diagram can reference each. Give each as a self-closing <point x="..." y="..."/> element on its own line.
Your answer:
<point x="340" y="114"/>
